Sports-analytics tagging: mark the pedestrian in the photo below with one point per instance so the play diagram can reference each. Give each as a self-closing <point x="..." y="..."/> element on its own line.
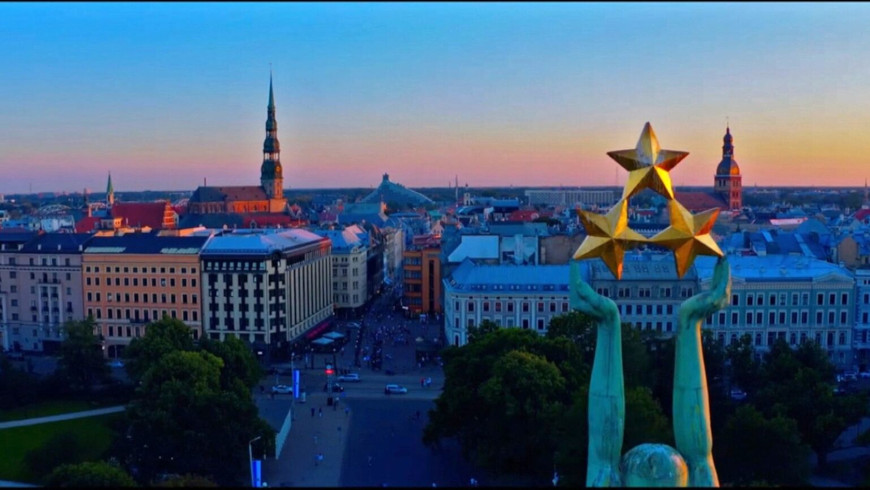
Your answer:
<point x="319" y="458"/>
<point x="312" y="412"/>
<point x="320" y="412"/>
<point x="315" y="439"/>
<point x="346" y="411"/>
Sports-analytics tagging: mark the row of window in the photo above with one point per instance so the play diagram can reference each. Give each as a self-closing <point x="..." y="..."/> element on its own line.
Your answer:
<point x="43" y="261"/>
<point x="135" y="281"/>
<point x="142" y="315"/>
<point x="646" y="292"/>
<point x="509" y="306"/>
<point x="781" y="318"/>
<point x="14" y="275"/>
<point x="136" y="270"/>
<point x="794" y="338"/>
<point x="774" y="299"/>
<point x="91" y="297"/>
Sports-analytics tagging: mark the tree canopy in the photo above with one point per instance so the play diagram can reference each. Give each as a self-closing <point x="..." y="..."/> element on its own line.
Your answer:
<point x="81" y="357"/>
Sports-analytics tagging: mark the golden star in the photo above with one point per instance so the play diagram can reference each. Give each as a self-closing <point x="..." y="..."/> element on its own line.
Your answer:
<point x="688" y="235"/>
<point x="648" y="165"/>
<point x="608" y="236"/>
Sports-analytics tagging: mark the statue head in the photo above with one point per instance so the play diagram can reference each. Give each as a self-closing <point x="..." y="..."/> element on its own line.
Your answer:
<point x="654" y="465"/>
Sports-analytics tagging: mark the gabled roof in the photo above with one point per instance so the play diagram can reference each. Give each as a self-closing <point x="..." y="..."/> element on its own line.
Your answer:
<point x="140" y="214"/>
<point x="228" y="193"/>
<point x="700" y="201"/>
<point x="57" y="243"/>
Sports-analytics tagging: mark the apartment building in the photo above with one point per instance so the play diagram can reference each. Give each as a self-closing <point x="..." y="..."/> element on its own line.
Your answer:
<point x="134" y="279"/>
<point x="42" y="290"/>
<point x="268" y="287"/>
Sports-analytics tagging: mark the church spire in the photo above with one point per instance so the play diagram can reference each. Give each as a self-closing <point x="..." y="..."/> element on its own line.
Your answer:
<point x="271" y="173"/>
<point x="110" y="192"/>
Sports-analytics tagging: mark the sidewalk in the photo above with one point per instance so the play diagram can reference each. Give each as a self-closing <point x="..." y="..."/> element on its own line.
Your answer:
<point x="63" y="416"/>
<point x="309" y="436"/>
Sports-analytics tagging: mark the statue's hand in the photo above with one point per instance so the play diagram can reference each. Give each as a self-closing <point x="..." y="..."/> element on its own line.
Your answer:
<point x="706" y="303"/>
<point x="587" y="301"/>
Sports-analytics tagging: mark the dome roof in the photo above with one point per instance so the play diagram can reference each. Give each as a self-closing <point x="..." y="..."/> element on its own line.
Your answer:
<point x="728" y="166"/>
<point x="393" y="192"/>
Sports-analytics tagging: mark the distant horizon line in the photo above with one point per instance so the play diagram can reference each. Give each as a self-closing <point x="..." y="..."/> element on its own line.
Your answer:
<point x="304" y="189"/>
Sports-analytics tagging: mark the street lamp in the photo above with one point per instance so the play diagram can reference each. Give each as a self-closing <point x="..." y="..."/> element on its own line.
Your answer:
<point x="251" y="459"/>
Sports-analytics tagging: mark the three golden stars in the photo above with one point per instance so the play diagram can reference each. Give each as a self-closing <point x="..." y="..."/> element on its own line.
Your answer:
<point x="608" y="236"/>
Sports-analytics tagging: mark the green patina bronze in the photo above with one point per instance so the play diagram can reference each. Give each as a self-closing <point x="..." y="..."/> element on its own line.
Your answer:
<point x="691" y="463"/>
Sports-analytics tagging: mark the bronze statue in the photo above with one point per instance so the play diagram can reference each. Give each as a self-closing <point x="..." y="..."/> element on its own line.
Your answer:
<point x="691" y="463"/>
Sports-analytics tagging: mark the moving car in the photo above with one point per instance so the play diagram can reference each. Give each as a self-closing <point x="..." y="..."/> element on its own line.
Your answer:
<point x="336" y="388"/>
<point x="395" y="389"/>
<point x="350" y="377"/>
<point x="282" y="389"/>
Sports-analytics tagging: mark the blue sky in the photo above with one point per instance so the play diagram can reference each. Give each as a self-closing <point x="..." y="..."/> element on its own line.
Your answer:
<point x="166" y="95"/>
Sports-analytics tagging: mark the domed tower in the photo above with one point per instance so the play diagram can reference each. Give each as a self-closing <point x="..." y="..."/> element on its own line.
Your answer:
<point x="727" y="181"/>
<point x="271" y="173"/>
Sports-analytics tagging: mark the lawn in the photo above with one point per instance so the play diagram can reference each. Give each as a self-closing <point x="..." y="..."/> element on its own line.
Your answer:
<point x="95" y="433"/>
<point x="43" y="409"/>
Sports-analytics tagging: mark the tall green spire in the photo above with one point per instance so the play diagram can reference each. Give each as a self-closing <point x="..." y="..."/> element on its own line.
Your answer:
<point x="271" y="97"/>
<point x="110" y="191"/>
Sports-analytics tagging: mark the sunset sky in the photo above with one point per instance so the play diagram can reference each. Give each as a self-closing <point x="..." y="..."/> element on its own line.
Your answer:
<point x="166" y="95"/>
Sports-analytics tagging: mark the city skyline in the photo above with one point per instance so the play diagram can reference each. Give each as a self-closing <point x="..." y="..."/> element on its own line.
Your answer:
<point x="169" y="96"/>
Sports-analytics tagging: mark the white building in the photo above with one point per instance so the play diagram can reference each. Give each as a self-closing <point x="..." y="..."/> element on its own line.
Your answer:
<point x="268" y="287"/>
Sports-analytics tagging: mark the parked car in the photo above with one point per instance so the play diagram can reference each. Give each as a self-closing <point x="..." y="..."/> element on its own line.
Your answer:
<point x="738" y="394"/>
<point x="395" y="390"/>
<point x="864" y="374"/>
<point x="850" y="375"/>
<point x="350" y="377"/>
<point x="282" y="389"/>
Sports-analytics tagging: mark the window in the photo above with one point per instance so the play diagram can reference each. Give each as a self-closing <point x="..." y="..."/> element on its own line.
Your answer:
<point x="470" y="306"/>
<point x="748" y="300"/>
<point x="844" y="299"/>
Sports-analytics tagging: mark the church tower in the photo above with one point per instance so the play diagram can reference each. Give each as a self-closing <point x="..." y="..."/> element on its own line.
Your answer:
<point x="727" y="181"/>
<point x="110" y="192"/>
<point x="271" y="173"/>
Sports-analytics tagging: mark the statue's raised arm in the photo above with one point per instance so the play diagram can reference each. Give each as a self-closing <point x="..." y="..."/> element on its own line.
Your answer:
<point x="606" y="389"/>
<point x="691" y="400"/>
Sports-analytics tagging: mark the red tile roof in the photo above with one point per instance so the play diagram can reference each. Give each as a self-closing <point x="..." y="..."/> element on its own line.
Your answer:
<point x="862" y="213"/>
<point x="141" y="214"/>
<point x="270" y="220"/>
<point x="87" y="224"/>
<point x="524" y="215"/>
<point x="700" y="201"/>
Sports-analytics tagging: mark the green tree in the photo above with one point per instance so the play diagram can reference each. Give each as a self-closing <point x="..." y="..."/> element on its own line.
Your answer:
<point x="81" y="358"/>
<point x="525" y="393"/>
<point x="485" y="327"/>
<point x="796" y="384"/>
<point x="239" y="362"/>
<point x="477" y="389"/>
<point x="161" y="337"/>
<point x="745" y="368"/>
<point x="180" y="408"/>
<point x="754" y="448"/>
<point x="89" y="475"/>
